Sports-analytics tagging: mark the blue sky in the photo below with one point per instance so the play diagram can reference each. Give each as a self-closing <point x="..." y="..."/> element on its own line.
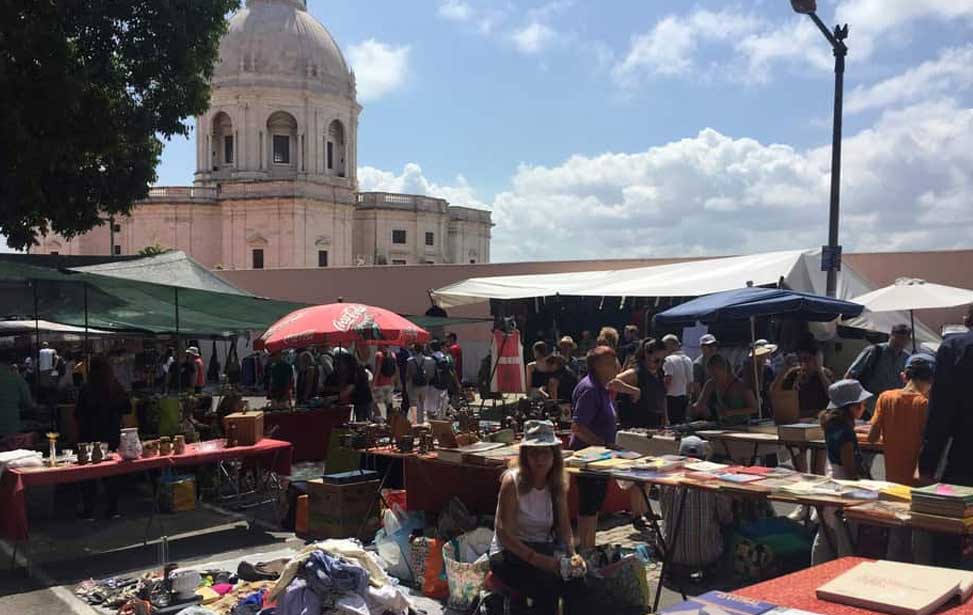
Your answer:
<point x="634" y="128"/>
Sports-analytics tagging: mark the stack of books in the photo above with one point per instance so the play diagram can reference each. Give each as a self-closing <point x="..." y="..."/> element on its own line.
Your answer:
<point x="801" y="432"/>
<point x="589" y="455"/>
<point x="943" y="507"/>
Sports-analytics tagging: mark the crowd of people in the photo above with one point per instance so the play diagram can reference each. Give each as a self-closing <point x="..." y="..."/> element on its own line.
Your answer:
<point x="427" y="376"/>
<point x="918" y="405"/>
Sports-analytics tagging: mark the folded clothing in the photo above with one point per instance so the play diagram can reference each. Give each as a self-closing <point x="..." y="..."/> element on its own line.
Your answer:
<point x="327" y="575"/>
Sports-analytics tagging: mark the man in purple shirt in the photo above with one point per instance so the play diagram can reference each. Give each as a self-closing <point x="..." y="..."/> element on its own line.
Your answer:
<point x="594" y="425"/>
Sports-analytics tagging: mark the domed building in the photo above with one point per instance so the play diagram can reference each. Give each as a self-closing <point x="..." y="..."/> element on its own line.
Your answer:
<point x="276" y="168"/>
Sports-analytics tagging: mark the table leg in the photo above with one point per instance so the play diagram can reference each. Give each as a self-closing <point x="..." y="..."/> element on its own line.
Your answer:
<point x="371" y="507"/>
<point x="670" y="552"/>
<point x="756" y="449"/>
<point x="823" y="526"/>
<point x="155" y="508"/>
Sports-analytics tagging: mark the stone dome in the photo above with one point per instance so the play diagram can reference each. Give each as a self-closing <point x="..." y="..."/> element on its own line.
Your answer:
<point x="278" y="43"/>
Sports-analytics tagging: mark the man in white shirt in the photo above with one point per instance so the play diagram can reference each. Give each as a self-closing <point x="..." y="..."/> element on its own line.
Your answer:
<point x="46" y="358"/>
<point x="678" y="369"/>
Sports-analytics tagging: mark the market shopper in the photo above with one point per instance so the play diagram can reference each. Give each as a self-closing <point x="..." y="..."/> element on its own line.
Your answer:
<point x="383" y="383"/>
<point x="198" y="378"/>
<point x="809" y="378"/>
<point x="569" y="350"/>
<point x="708" y="346"/>
<point x="14" y="397"/>
<point x="351" y="381"/>
<point x="420" y="369"/>
<point x="563" y="380"/>
<point x="594" y="424"/>
<point x="724" y="399"/>
<point x="533" y="525"/>
<point x="879" y="367"/>
<point x="761" y="379"/>
<point x="678" y="370"/>
<point x="948" y="437"/>
<point x="845" y="462"/>
<point x="456" y="352"/>
<point x="629" y="345"/>
<point x="539" y="371"/>
<point x="641" y="389"/>
<point x="101" y="403"/>
<point x="280" y="381"/>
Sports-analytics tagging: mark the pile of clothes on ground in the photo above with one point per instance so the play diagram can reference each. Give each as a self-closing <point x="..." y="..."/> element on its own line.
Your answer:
<point x="330" y="577"/>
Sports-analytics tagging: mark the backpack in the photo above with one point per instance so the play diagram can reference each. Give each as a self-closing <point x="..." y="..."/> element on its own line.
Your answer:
<point x="443" y="376"/>
<point x="419" y="377"/>
<point x="389" y="367"/>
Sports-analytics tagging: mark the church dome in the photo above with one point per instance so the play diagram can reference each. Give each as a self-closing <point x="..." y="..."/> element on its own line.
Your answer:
<point x="279" y="44"/>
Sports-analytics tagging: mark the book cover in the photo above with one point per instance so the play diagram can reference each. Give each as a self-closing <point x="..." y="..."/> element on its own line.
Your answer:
<point x="706" y="466"/>
<point x="740" y="478"/>
<point x="718" y="603"/>
<point x="944" y="491"/>
<point x="900" y="589"/>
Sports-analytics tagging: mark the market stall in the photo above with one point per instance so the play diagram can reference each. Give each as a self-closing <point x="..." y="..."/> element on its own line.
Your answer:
<point x="308" y="429"/>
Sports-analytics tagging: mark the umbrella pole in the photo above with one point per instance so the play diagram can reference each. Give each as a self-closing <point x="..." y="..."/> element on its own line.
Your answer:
<point x="178" y="361"/>
<point x="756" y="367"/>
<point x="912" y="324"/>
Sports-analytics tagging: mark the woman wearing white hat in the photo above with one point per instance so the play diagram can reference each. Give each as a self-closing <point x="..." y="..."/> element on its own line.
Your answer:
<point x="531" y="512"/>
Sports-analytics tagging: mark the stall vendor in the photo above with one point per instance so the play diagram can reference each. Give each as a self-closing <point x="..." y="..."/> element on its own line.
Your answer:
<point x="532" y="511"/>
<point x="594" y="418"/>
<point x="725" y="398"/>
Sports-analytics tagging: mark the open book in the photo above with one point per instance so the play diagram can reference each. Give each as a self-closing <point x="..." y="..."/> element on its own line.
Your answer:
<point x="899" y="589"/>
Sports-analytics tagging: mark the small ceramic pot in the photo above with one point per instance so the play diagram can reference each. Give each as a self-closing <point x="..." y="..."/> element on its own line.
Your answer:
<point x="129" y="446"/>
<point x="98" y="451"/>
<point x="84" y="453"/>
<point x="179" y="445"/>
<point x="150" y="448"/>
<point x="165" y="446"/>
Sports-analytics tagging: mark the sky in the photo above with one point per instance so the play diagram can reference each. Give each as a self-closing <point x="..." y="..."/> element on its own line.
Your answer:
<point x="665" y="128"/>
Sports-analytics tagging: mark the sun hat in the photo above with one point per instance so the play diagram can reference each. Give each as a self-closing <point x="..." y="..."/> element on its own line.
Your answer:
<point x="193" y="351"/>
<point x="693" y="446"/>
<point x="846" y="392"/>
<point x="762" y="348"/>
<point x="707" y="340"/>
<point x="567" y="340"/>
<point x="670" y="338"/>
<point x="539" y="433"/>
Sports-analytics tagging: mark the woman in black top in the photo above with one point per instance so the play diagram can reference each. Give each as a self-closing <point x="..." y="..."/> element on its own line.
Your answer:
<point x="642" y="389"/>
<point x="101" y="403"/>
<point x="562" y="381"/>
<point x="351" y="380"/>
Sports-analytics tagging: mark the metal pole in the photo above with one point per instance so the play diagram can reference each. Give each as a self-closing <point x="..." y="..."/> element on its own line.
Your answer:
<point x="178" y="361"/>
<point x="84" y="286"/>
<point x="840" y="51"/>
<point x="756" y="367"/>
<point x="912" y="323"/>
<point x="37" y="346"/>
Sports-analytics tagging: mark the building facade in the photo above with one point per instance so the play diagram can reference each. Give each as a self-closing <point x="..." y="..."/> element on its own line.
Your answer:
<point x="276" y="169"/>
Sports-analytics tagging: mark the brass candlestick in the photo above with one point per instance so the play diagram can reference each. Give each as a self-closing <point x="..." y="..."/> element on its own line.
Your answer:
<point x="52" y="437"/>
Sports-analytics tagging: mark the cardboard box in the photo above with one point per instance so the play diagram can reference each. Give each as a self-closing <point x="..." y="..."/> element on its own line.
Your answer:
<point x="341" y="510"/>
<point x="249" y="427"/>
<point x="178" y="495"/>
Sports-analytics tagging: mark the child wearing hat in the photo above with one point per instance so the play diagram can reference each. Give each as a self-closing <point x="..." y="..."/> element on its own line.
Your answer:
<point x="845" y="462"/>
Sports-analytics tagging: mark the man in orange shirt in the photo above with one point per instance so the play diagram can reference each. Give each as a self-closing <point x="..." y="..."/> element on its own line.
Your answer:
<point x="900" y="415"/>
<point x="899" y="420"/>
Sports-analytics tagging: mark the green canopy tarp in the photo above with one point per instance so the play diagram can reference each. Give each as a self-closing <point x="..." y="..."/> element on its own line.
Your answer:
<point x="119" y="304"/>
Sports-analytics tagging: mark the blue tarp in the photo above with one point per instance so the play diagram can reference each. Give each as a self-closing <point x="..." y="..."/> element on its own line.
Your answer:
<point x="745" y="303"/>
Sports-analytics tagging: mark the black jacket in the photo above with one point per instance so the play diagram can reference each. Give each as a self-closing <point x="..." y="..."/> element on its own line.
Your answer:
<point x="950" y="413"/>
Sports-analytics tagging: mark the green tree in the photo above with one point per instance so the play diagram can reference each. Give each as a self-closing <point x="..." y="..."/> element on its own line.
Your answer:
<point x="153" y="250"/>
<point x="88" y="90"/>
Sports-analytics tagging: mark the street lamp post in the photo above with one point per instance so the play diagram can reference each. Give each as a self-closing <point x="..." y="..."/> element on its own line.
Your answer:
<point x="831" y="254"/>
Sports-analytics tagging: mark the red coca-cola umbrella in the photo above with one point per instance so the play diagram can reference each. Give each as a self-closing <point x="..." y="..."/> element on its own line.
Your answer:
<point x="340" y="324"/>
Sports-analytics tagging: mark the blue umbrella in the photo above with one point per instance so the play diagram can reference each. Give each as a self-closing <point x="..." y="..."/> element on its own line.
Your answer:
<point x="751" y="303"/>
<point x="746" y="303"/>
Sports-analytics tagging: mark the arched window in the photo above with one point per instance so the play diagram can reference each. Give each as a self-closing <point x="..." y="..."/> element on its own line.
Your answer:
<point x="224" y="147"/>
<point x="282" y="128"/>
<point x="334" y="149"/>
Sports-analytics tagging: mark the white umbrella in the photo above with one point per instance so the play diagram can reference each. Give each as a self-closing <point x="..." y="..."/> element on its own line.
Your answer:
<point x="913" y="294"/>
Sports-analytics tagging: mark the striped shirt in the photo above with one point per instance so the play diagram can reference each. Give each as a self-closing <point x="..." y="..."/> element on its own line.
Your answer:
<point x="700" y="540"/>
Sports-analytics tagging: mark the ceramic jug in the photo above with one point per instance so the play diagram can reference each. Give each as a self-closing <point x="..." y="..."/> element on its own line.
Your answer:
<point x="129" y="446"/>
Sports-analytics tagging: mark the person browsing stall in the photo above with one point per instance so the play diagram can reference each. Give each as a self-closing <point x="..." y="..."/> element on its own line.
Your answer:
<point x="724" y="398"/>
<point x="539" y="371"/>
<point x="455" y="351"/>
<point x="879" y="367"/>
<point x="101" y="403"/>
<point x="762" y="378"/>
<point x="594" y="424"/>
<point x="533" y="526"/>
<point x="563" y="380"/>
<point x="845" y="462"/>
<point x="678" y="369"/>
<point x="809" y="378"/>
<point x="947" y="441"/>
<point x="708" y="346"/>
<point x="641" y="389"/>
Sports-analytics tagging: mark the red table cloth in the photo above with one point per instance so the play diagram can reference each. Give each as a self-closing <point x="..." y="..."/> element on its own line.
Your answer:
<point x="797" y="591"/>
<point x="308" y="430"/>
<point x="431" y="483"/>
<point x="14" y="483"/>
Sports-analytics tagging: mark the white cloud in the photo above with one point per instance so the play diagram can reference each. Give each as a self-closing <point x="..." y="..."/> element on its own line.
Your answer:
<point x="906" y="185"/>
<point x="951" y="73"/>
<point x="412" y="181"/>
<point x="455" y="10"/>
<point x="753" y="46"/>
<point x="380" y="68"/>
<point x="669" y="47"/>
<point x="534" y="38"/>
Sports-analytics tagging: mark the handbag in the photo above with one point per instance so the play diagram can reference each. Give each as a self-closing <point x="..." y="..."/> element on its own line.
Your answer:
<point x="620" y="586"/>
<point x="465" y="579"/>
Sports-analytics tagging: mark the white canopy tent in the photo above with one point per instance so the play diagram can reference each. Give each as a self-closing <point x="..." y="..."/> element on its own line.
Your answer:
<point x="798" y="269"/>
